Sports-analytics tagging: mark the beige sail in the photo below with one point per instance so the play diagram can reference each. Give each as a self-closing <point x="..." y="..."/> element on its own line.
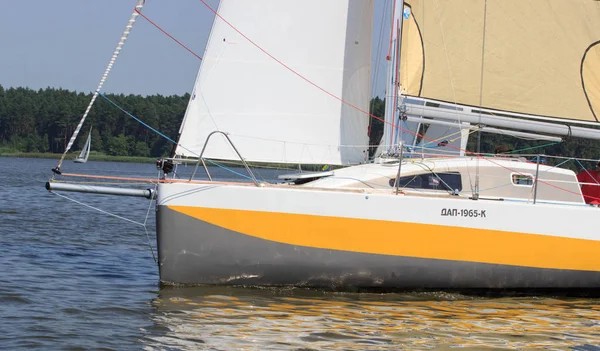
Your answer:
<point x="541" y="56"/>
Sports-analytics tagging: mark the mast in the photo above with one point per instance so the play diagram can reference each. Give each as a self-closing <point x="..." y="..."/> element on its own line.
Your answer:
<point x="392" y="97"/>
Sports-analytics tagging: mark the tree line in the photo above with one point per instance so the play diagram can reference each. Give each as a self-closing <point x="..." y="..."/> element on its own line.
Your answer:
<point x="43" y="121"/>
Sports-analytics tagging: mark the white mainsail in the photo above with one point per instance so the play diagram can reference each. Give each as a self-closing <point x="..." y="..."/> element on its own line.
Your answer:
<point x="270" y="113"/>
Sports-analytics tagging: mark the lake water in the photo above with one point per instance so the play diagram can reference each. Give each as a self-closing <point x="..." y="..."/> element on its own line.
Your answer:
<point x="73" y="278"/>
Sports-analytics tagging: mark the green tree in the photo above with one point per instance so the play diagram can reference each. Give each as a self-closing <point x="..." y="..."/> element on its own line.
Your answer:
<point x="141" y="149"/>
<point x="44" y="143"/>
<point x="97" y="142"/>
<point x="377" y="108"/>
<point x="117" y="146"/>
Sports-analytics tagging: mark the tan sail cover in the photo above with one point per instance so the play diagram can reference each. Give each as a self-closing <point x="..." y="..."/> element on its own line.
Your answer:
<point x="541" y="57"/>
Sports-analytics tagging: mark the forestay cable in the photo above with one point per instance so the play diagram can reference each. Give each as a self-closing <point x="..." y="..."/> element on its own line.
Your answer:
<point x="138" y="7"/>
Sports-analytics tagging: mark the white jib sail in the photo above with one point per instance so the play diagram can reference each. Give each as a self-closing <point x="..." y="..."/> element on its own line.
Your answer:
<point x="270" y="113"/>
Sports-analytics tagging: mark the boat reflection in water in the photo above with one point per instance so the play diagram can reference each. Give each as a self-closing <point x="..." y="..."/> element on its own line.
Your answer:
<point x="231" y="318"/>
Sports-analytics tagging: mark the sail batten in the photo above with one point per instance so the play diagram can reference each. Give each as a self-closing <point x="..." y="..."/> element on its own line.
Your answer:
<point x="243" y="91"/>
<point x="540" y="56"/>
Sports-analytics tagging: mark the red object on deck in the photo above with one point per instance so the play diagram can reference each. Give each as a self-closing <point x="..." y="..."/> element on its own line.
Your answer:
<point x="591" y="192"/>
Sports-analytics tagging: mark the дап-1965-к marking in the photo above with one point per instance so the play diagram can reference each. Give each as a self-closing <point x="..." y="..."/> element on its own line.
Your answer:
<point x="463" y="212"/>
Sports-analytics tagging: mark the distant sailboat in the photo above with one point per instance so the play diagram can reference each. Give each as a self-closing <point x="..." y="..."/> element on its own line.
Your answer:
<point x="85" y="151"/>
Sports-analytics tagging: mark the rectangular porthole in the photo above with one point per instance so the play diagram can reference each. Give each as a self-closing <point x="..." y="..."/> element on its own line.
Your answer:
<point x="522" y="179"/>
<point x="449" y="181"/>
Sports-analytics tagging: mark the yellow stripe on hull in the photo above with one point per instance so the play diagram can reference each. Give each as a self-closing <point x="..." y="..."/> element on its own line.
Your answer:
<point x="406" y="239"/>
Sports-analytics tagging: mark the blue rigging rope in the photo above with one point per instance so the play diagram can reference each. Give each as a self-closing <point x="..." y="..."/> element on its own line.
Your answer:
<point x="166" y="137"/>
<point x="137" y="119"/>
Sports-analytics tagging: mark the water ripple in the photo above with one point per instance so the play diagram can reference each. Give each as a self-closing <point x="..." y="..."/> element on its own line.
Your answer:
<point x="255" y="320"/>
<point x="74" y="279"/>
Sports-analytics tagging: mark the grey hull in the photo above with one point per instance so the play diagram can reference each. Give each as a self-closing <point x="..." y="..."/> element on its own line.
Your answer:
<point x="195" y="252"/>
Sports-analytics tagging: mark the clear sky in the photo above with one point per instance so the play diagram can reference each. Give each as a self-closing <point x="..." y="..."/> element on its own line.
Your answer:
<point x="68" y="43"/>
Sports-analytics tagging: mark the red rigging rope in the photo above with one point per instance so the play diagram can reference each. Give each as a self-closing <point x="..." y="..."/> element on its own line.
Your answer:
<point x="294" y="72"/>
<point x="397" y="85"/>
<point x="128" y="29"/>
<point x="324" y="90"/>
<point x="389" y="55"/>
<point x="311" y="82"/>
<point x="286" y="67"/>
<point x="167" y="34"/>
<point x="319" y="87"/>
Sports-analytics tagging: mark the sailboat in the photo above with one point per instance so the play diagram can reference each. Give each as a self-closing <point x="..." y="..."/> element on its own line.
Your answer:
<point x="287" y="82"/>
<point x="85" y="151"/>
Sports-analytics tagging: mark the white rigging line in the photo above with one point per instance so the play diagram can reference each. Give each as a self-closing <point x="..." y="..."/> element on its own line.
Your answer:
<point x="144" y="224"/>
<point x="378" y="51"/>
<point x="448" y="65"/>
<point x="458" y="119"/>
<point x="128" y="27"/>
<point x="476" y="194"/>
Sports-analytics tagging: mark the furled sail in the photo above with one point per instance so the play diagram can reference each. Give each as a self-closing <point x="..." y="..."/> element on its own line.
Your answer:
<point x="271" y="113"/>
<point x="539" y="57"/>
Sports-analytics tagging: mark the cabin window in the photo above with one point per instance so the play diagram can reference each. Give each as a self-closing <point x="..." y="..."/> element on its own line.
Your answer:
<point x="522" y="179"/>
<point x="450" y="181"/>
